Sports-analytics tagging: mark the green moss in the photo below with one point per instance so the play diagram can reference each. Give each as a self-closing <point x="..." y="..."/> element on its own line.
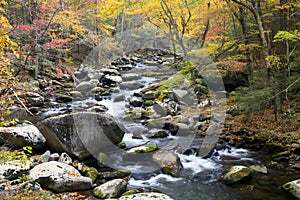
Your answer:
<point x="90" y="172"/>
<point x="105" y="93"/>
<point x="99" y="193"/>
<point x="130" y="191"/>
<point x="275" y="147"/>
<point x="20" y="155"/>
<point x="187" y="67"/>
<point x="122" y="145"/>
<point x="149" y="148"/>
<point x="148" y="103"/>
<point x="167" y="170"/>
<point x="281" y="154"/>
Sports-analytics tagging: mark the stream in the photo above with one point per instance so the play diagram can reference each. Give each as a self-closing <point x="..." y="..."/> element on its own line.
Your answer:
<point x="199" y="177"/>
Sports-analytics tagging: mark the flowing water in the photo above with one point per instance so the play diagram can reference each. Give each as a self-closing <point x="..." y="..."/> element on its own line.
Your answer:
<point x="199" y="177"/>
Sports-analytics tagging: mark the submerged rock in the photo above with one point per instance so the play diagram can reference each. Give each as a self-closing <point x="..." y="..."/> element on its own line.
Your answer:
<point x="80" y="134"/>
<point x="236" y="174"/>
<point x="146" y="196"/>
<point x="130" y="85"/>
<point x="22" y="135"/>
<point x="119" y="174"/>
<point x="293" y="187"/>
<point x="111" y="189"/>
<point x="59" y="177"/>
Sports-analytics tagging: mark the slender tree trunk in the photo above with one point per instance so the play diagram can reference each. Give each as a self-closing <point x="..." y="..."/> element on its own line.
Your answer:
<point x="206" y="29"/>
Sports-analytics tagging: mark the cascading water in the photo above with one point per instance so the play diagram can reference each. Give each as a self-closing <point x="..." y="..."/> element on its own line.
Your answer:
<point x="199" y="177"/>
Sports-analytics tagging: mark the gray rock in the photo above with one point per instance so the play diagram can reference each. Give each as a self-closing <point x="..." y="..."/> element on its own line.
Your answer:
<point x="135" y="102"/>
<point x="149" y="95"/>
<point x="16" y="112"/>
<point x="111" y="189"/>
<point x="59" y="177"/>
<point x="130" y="85"/>
<point x="118" y="174"/>
<point x="160" y="109"/>
<point x="80" y="134"/>
<point x="34" y="109"/>
<point x="184" y="97"/>
<point x="118" y="98"/>
<point x="293" y="187"/>
<point x="87" y="86"/>
<point x="97" y="90"/>
<point x="236" y="174"/>
<point x="32" y="99"/>
<point x="110" y="71"/>
<point x="157" y="133"/>
<point x="45" y="157"/>
<point x="112" y="78"/>
<point x="76" y="94"/>
<point x="131" y="77"/>
<point x="259" y="168"/>
<point x="168" y="161"/>
<point x="65" y="158"/>
<point x="13" y="169"/>
<point x="54" y="157"/>
<point x="62" y="98"/>
<point x="99" y="108"/>
<point x="146" y="196"/>
<point x="22" y="135"/>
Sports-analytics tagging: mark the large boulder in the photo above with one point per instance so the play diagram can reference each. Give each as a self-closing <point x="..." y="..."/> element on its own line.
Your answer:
<point x="293" y="187"/>
<point x="168" y="161"/>
<point x="236" y="174"/>
<point x="87" y="86"/>
<point x="22" y="135"/>
<point x="111" y="189"/>
<point x="81" y="134"/>
<point x="59" y="177"/>
<point x="146" y="196"/>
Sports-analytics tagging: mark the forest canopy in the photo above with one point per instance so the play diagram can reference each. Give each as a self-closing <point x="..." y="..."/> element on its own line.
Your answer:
<point x="255" y="36"/>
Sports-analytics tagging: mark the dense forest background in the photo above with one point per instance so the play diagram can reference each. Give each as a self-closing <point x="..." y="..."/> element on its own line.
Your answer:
<point x="257" y="37"/>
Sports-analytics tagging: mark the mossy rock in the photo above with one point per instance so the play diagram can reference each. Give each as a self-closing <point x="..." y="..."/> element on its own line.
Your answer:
<point x="63" y="98"/>
<point x="90" y="172"/>
<point x="130" y="191"/>
<point x="273" y="147"/>
<point x="293" y="187"/>
<point x="143" y="149"/>
<point x="236" y="174"/>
